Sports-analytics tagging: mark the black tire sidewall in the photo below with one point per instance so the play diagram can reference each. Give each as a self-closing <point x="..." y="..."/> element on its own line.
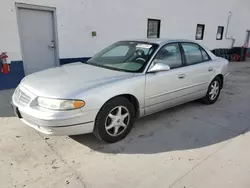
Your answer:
<point x="100" y="130"/>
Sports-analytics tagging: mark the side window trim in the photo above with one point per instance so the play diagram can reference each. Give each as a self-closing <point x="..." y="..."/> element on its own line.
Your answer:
<point x="182" y="60"/>
<point x="200" y="48"/>
<point x="183" y="56"/>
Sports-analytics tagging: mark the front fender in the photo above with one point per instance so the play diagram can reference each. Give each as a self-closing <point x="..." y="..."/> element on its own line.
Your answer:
<point x="97" y="97"/>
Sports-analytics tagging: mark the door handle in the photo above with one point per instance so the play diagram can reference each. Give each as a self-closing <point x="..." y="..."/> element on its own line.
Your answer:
<point x="182" y="76"/>
<point x="210" y="69"/>
<point x="52" y="45"/>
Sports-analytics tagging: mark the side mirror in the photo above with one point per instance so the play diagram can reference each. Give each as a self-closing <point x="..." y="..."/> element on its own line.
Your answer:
<point x="159" y="67"/>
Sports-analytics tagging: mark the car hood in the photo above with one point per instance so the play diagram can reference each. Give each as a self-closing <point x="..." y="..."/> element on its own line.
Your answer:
<point x="71" y="80"/>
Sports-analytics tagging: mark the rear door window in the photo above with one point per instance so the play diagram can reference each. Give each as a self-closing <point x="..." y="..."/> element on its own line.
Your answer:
<point x="192" y="53"/>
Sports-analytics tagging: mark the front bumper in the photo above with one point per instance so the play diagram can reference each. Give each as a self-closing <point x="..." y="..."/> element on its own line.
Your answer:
<point x="73" y="122"/>
<point x="78" y="129"/>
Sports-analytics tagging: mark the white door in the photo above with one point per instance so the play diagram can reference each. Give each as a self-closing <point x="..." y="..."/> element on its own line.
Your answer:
<point x="37" y="39"/>
<point x="165" y="89"/>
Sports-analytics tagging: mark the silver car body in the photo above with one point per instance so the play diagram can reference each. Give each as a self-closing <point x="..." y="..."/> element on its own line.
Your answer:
<point x="96" y="85"/>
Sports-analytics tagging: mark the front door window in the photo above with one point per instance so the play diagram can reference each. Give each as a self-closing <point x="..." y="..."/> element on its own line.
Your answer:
<point x="169" y="55"/>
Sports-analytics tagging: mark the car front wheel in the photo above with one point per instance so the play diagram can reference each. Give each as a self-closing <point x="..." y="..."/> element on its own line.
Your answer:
<point x="115" y="120"/>
<point x="213" y="92"/>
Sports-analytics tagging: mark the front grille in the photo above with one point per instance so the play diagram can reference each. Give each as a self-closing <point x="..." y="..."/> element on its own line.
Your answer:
<point x="22" y="97"/>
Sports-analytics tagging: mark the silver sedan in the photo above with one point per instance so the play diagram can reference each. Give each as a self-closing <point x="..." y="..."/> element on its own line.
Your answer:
<point x="125" y="81"/>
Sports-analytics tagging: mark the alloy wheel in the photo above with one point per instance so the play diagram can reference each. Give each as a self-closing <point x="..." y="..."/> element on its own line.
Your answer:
<point x="117" y="121"/>
<point x="214" y="90"/>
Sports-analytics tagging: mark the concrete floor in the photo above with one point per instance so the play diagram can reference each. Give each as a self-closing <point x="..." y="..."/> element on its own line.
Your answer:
<point x="190" y="146"/>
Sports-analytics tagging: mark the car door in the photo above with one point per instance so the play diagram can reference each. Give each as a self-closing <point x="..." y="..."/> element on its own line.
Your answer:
<point x="164" y="89"/>
<point x="199" y="70"/>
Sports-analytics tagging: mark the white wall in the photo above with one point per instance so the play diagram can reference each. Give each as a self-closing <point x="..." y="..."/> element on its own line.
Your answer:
<point x="124" y="19"/>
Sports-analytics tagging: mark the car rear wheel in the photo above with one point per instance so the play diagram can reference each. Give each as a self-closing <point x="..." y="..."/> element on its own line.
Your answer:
<point x="115" y="120"/>
<point x="213" y="92"/>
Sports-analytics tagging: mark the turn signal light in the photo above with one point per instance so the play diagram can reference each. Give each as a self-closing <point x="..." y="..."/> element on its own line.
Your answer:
<point x="79" y="104"/>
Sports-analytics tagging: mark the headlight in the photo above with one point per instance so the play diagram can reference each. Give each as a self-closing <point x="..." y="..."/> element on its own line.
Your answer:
<point x="59" y="104"/>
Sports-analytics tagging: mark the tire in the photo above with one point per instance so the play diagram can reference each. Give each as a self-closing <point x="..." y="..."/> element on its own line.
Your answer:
<point x="210" y="98"/>
<point x="111" y="119"/>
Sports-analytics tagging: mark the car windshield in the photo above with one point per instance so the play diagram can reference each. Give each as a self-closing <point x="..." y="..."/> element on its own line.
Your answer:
<point x="129" y="56"/>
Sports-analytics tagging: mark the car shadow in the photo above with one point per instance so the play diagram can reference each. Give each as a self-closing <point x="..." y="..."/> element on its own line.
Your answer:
<point x="170" y="130"/>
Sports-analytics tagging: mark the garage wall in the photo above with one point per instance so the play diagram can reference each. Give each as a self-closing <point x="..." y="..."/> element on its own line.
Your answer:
<point x="119" y="19"/>
<point x="125" y="19"/>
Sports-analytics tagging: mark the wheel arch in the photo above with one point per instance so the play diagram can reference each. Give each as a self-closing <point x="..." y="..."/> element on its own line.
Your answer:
<point x="134" y="101"/>
<point x="221" y="77"/>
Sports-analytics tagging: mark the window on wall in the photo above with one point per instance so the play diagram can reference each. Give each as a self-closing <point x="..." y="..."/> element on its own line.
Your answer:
<point x="154" y="28"/>
<point x="220" y="32"/>
<point x="200" y="32"/>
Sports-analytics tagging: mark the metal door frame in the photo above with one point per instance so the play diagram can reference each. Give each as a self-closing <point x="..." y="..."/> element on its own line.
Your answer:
<point x="247" y="39"/>
<point x="54" y="25"/>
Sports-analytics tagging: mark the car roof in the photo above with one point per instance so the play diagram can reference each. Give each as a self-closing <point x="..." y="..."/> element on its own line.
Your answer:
<point x="161" y="41"/>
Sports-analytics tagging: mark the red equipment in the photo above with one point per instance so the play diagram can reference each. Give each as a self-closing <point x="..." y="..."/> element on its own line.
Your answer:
<point x="5" y="66"/>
